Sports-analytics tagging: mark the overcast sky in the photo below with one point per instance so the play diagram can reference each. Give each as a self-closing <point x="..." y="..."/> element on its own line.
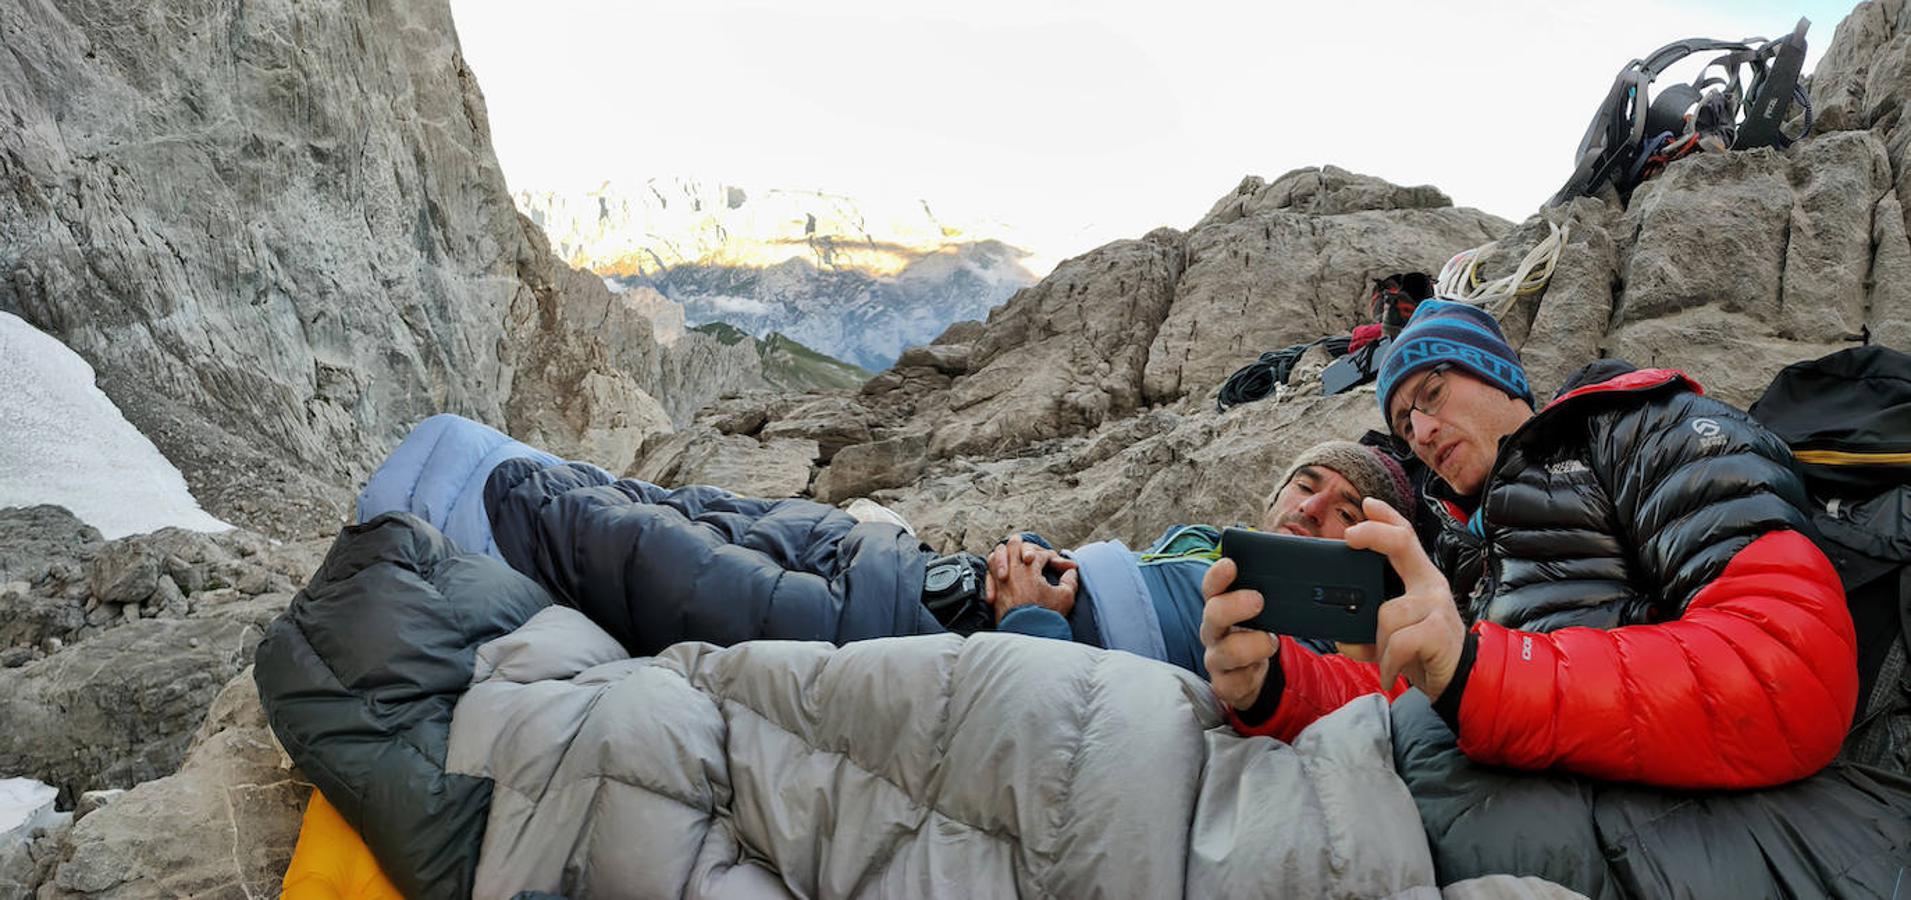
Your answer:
<point x="1076" y="121"/>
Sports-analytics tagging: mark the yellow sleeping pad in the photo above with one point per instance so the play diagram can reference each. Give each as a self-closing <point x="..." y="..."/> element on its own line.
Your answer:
<point x="331" y="860"/>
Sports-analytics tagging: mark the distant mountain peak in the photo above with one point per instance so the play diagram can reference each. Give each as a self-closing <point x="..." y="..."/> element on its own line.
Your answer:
<point x="642" y="229"/>
<point x="859" y="280"/>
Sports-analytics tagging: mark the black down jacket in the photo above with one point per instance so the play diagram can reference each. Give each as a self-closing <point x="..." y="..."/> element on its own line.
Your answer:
<point x="654" y="567"/>
<point x="1637" y="501"/>
<point x="359" y="676"/>
<point x="1609" y="508"/>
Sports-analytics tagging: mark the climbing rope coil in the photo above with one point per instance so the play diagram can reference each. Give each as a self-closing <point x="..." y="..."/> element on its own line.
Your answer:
<point x="1268" y="374"/>
<point x="1460" y="278"/>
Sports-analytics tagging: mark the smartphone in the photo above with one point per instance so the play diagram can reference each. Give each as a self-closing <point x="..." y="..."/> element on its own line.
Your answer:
<point x="1311" y="587"/>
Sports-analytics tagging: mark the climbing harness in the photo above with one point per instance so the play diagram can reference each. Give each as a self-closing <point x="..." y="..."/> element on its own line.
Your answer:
<point x="1631" y="133"/>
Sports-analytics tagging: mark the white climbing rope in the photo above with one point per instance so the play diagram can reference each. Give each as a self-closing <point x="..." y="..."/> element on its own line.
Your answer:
<point x="1460" y="277"/>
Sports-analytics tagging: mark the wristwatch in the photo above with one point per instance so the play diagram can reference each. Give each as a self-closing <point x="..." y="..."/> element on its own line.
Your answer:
<point x="952" y="590"/>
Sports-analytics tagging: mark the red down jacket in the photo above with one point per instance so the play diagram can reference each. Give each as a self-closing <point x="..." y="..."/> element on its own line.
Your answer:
<point x="1649" y="608"/>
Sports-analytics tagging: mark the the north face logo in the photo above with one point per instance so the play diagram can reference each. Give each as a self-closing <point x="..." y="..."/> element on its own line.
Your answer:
<point x="1711" y="434"/>
<point x="1417" y="351"/>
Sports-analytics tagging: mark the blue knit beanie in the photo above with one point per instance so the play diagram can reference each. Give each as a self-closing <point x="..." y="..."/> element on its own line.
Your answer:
<point x="1461" y="336"/>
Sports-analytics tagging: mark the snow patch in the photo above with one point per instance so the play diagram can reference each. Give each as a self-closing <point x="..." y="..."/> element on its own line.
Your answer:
<point x="25" y="804"/>
<point x="63" y="442"/>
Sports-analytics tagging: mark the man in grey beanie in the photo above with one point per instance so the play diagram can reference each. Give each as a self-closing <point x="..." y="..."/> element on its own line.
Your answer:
<point x="1355" y="471"/>
<point x="1150" y="602"/>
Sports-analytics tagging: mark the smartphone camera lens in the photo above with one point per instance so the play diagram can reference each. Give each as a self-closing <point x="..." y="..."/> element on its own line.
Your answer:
<point x="1347" y="598"/>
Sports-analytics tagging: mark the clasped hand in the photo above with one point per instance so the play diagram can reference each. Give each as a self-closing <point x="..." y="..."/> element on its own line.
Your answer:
<point x="1015" y="578"/>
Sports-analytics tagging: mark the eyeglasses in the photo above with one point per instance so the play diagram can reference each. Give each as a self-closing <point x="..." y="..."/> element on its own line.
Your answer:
<point x="1428" y="399"/>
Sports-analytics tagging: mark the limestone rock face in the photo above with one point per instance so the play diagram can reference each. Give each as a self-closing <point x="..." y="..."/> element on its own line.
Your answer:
<point x="279" y="234"/>
<point x="1063" y="356"/>
<point x="1863" y="83"/>
<point x="272" y="250"/>
<point x="587" y="355"/>
<point x="1746" y="262"/>
<point x="1326" y="191"/>
<point x="1728" y="267"/>
<point x="1283" y="263"/>
<point x="1841" y="80"/>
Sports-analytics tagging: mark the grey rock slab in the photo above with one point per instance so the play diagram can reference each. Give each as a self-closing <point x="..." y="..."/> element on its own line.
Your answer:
<point x="224" y="824"/>
<point x="1322" y="191"/>
<point x="120" y="707"/>
<point x="779" y="467"/>
<point x="41" y="543"/>
<point x="949" y="359"/>
<point x="31" y="619"/>
<point x="92" y="801"/>
<point x="663" y="456"/>
<point x="833" y="421"/>
<point x="857" y="470"/>
<point x="1063" y="356"/>
<point x="743" y="415"/>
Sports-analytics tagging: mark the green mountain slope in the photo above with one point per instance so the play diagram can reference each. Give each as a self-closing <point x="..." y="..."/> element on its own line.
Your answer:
<point x="790" y="366"/>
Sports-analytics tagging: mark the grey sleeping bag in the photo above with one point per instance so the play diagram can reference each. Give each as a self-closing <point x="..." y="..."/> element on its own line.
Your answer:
<point x="485" y="742"/>
<point x="919" y="766"/>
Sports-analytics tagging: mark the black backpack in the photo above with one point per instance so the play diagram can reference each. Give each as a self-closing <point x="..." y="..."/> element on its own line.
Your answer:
<point x="1635" y="132"/>
<point x="1847" y="418"/>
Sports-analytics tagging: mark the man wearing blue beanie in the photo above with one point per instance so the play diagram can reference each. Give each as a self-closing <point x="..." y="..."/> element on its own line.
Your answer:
<point x="1443" y="331"/>
<point x="1449" y="341"/>
<point x="1610" y="573"/>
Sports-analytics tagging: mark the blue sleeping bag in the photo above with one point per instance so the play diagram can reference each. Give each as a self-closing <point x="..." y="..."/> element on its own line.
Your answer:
<point x="437" y="474"/>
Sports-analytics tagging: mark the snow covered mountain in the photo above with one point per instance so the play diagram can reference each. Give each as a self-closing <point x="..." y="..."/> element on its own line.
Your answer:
<point x="856" y="280"/>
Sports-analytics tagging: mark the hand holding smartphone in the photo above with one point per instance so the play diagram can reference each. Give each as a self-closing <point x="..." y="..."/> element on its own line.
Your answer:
<point x="1310" y="587"/>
